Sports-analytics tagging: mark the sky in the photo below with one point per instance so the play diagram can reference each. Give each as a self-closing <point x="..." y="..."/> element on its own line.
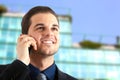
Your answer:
<point x="91" y="17"/>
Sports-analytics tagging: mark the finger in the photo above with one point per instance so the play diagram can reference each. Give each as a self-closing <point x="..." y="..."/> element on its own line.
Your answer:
<point x="34" y="45"/>
<point x="28" y="41"/>
<point x="20" y="38"/>
<point x="31" y="43"/>
<point x="25" y="38"/>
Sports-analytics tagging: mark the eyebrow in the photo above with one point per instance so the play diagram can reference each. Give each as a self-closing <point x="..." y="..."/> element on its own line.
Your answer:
<point x="56" y="25"/>
<point x="41" y="24"/>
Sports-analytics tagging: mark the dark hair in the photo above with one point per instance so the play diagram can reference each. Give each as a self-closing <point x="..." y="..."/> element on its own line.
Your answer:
<point x="38" y="9"/>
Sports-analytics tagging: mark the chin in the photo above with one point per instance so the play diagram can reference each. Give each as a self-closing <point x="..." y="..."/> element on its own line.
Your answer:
<point x="46" y="52"/>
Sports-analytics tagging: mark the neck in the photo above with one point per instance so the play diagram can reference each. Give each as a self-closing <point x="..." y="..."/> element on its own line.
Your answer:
<point x="41" y="62"/>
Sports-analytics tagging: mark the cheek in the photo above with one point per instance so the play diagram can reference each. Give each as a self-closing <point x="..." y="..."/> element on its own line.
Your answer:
<point x="58" y="39"/>
<point x="36" y="37"/>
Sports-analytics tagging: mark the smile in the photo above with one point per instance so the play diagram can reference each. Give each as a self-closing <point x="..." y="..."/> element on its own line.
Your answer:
<point x="48" y="42"/>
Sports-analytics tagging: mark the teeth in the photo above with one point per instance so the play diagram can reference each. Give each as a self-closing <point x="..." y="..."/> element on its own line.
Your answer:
<point x="47" y="42"/>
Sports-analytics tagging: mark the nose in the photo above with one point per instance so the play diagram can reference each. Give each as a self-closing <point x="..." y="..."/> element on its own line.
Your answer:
<point x="48" y="32"/>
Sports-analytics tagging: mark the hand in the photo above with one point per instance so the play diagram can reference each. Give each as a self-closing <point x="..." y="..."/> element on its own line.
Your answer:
<point x="23" y="44"/>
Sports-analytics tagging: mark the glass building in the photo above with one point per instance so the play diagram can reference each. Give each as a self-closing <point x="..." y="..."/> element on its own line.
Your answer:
<point x="84" y="64"/>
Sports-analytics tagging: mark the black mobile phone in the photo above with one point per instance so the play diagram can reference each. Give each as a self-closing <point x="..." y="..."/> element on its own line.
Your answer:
<point x="30" y="48"/>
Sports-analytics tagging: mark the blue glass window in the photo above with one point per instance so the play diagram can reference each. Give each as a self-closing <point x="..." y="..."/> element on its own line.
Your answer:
<point x="65" y="26"/>
<point x="6" y="22"/>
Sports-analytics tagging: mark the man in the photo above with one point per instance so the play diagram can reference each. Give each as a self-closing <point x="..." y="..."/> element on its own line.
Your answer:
<point x="36" y="47"/>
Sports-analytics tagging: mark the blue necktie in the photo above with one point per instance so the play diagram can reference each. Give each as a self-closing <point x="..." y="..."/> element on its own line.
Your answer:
<point x="41" y="76"/>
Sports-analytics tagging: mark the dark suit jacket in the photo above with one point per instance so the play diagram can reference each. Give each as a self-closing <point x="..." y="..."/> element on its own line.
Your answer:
<point x="19" y="71"/>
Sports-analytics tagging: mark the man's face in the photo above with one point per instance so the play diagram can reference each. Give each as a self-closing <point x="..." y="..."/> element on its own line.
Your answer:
<point x="44" y="29"/>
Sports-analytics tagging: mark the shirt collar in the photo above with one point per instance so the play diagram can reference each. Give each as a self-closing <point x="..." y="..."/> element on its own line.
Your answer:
<point x="49" y="72"/>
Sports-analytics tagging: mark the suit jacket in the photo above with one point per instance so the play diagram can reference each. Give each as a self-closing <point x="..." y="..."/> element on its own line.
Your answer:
<point x="19" y="71"/>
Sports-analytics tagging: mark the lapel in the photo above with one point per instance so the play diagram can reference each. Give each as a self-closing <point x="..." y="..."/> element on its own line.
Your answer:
<point x="63" y="76"/>
<point x="60" y="75"/>
<point x="28" y="78"/>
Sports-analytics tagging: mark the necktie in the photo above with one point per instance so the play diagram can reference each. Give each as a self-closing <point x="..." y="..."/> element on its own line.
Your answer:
<point x="41" y="76"/>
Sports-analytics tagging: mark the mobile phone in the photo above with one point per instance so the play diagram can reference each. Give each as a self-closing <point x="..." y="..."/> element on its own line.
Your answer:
<point x="30" y="48"/>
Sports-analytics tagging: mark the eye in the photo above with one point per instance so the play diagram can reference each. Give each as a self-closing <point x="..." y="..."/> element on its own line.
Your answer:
<point x="40" y="28"/>
<point x="55" y="29"/>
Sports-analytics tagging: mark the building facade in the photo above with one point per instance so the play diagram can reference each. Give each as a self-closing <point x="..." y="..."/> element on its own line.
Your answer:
<point x="85" y="64"/>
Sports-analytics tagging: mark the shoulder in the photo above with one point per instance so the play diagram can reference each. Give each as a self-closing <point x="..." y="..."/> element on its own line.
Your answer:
<point x="2" y="67"/>
<point x="14" y="66"/>
<point x="14" y="71"/>
<point x="64" y="76"/>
